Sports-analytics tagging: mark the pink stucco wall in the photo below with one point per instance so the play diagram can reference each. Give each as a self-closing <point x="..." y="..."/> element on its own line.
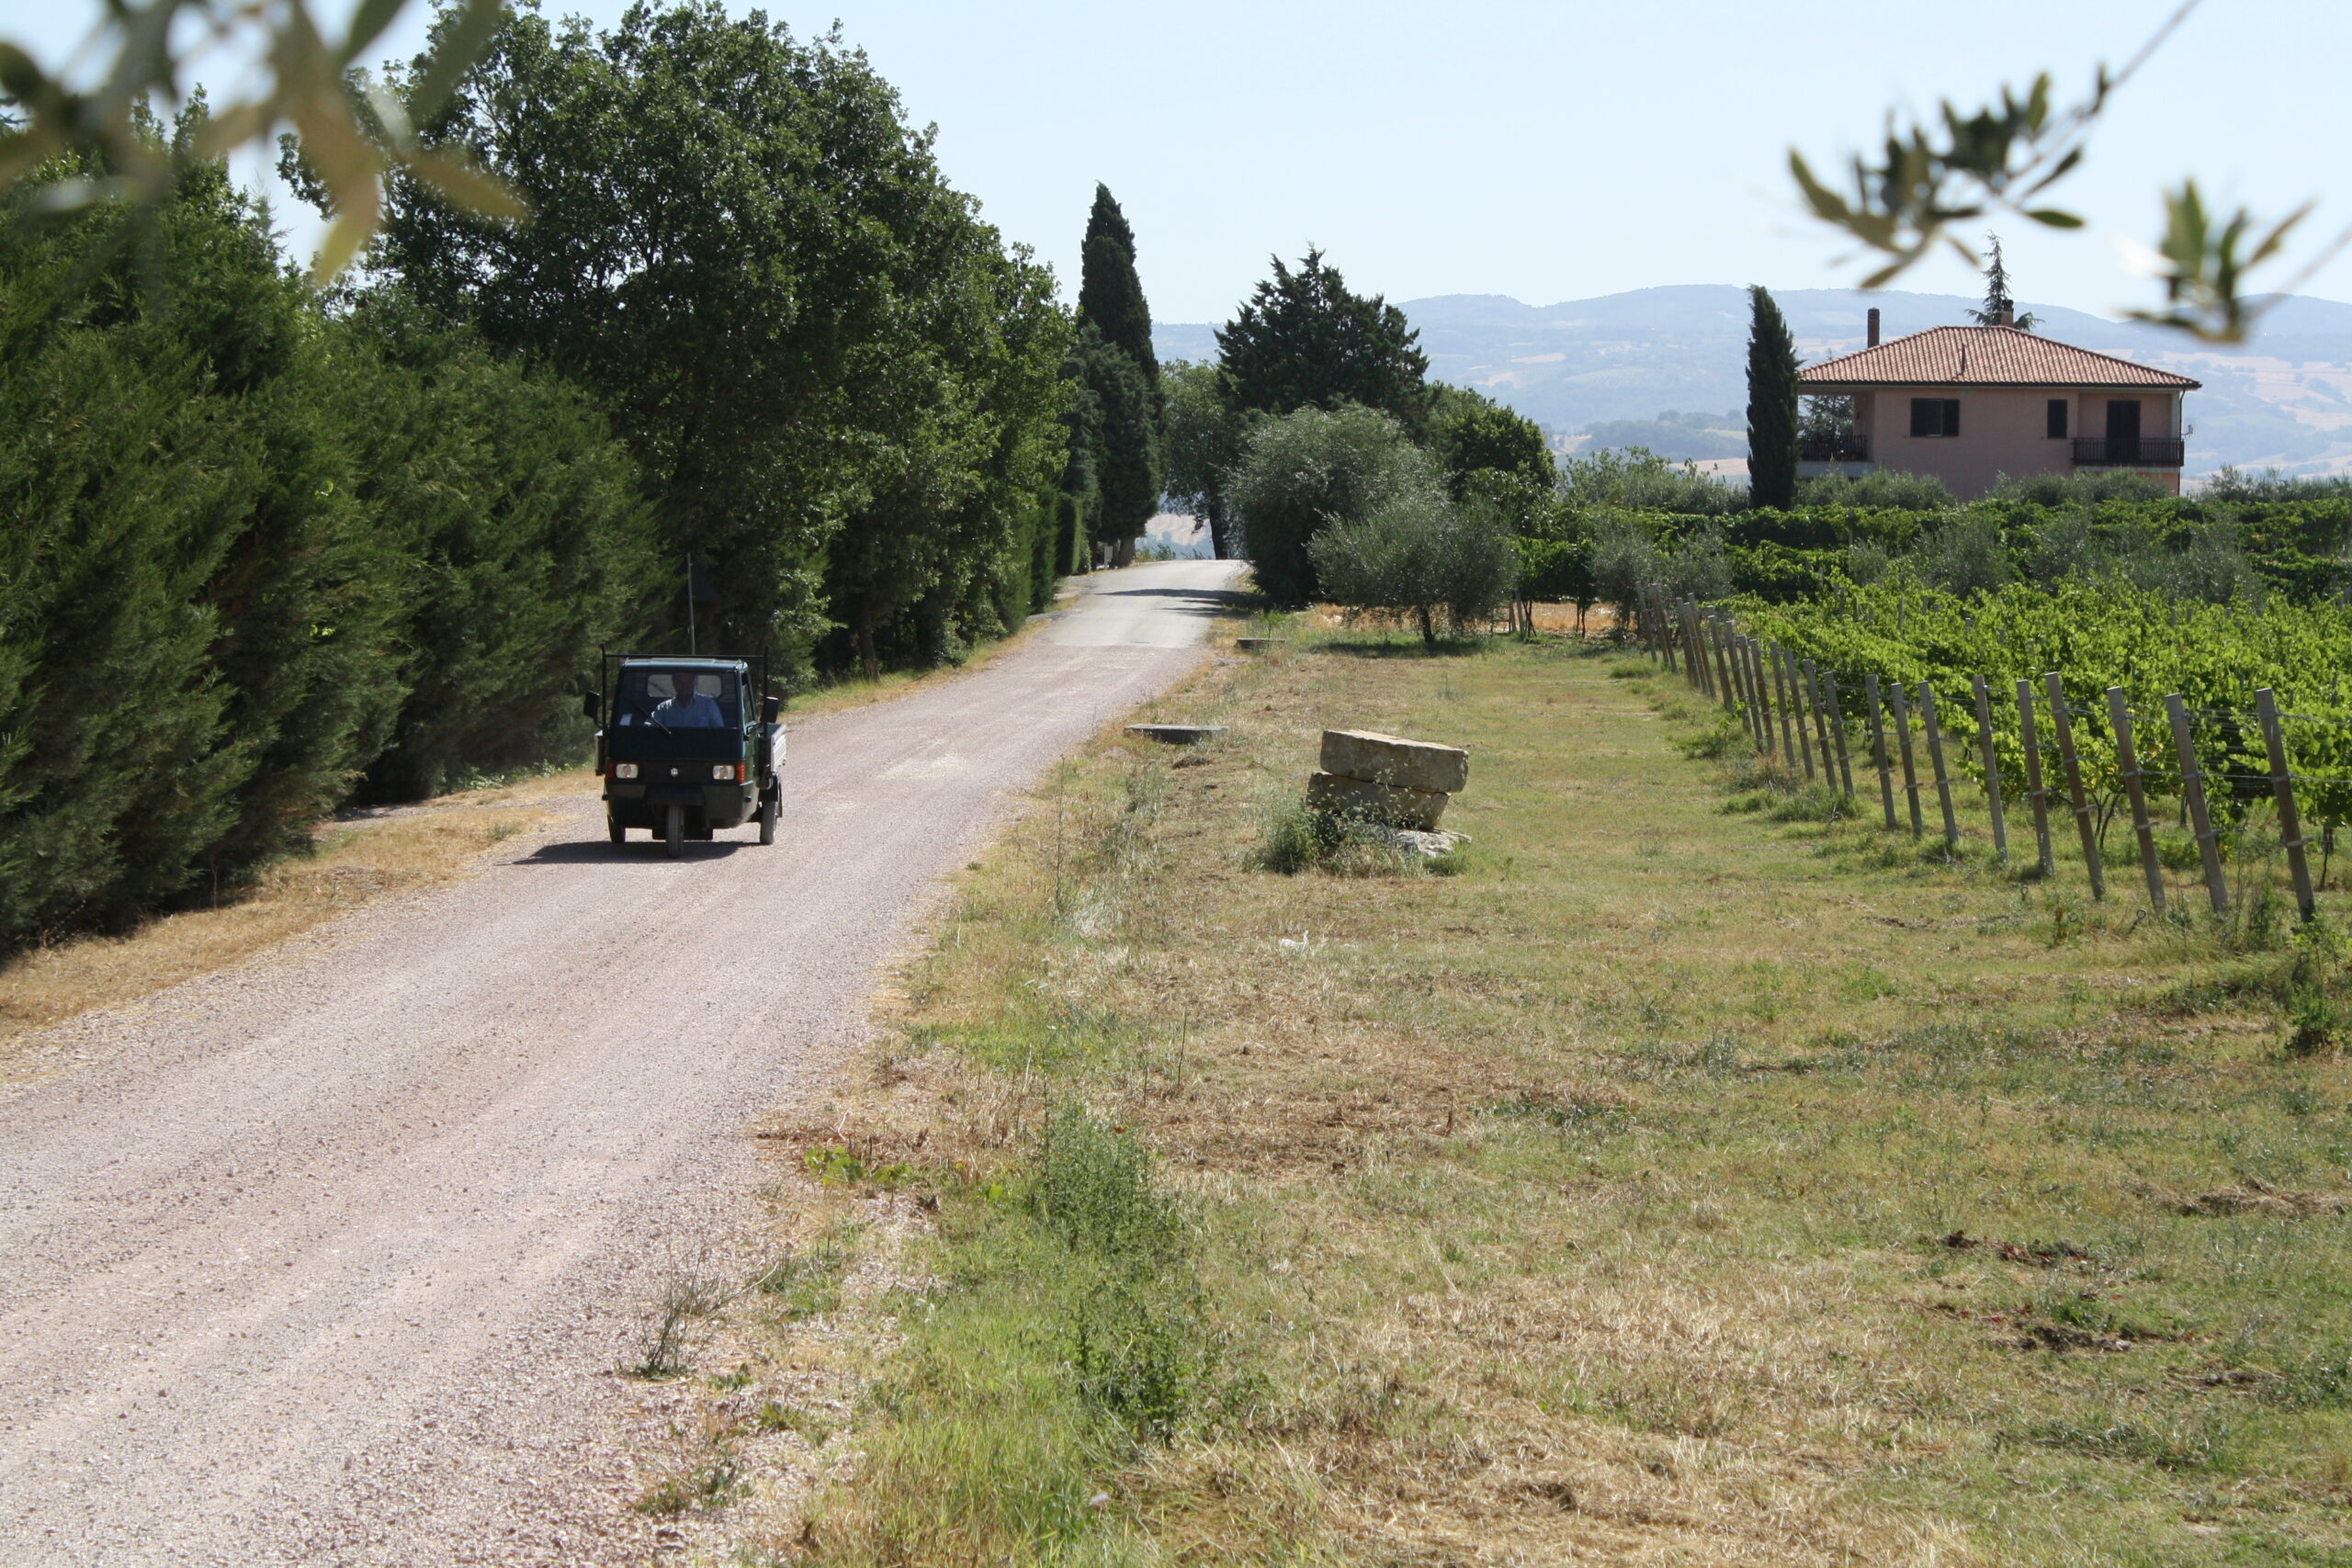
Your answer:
<point x="2002" y="430"/>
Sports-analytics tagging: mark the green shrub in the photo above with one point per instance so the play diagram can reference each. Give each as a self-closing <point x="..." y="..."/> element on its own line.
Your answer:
<point x="1293" y="838"/>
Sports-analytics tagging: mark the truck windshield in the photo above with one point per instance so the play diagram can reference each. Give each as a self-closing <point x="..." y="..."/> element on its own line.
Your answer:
<point x="678" y="699"/>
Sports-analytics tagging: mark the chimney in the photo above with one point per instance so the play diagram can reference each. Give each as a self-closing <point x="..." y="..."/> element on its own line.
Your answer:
<point x="2008" y="314"/>
<point x="1873" y="343"/>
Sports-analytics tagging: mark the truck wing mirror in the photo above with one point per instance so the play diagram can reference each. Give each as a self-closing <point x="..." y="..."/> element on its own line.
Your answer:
<point x="771" y="709"/>
<point x="593" y="705"/>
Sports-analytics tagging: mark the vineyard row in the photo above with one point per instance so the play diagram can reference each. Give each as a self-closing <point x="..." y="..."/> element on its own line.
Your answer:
<point x="2021" y="739"/>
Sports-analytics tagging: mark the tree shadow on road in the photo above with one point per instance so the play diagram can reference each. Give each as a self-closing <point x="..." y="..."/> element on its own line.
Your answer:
<point x="602" y="852"/>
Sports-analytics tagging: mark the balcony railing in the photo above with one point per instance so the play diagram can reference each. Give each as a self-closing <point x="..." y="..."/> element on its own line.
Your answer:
<point x="2127" y="452"/>
<point x="1833" y="449"/>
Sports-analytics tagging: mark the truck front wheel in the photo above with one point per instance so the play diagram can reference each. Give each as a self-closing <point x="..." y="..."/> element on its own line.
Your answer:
<point x="767" y="818"/>
<point x="673" y="831"/>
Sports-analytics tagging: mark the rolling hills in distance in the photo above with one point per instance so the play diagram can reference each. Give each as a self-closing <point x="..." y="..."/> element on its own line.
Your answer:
<point x="1665" y="367"/>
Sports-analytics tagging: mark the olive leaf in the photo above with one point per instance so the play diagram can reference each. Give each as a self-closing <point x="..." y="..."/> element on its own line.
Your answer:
<point x="1929" y="179"/>
<point x="351" y="135"/>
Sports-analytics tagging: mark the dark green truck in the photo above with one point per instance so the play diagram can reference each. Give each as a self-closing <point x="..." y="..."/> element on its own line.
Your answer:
<point x="686" y="746"/>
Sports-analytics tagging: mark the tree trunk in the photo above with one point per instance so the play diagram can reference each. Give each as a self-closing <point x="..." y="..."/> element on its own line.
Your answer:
<point x="1428" y="628"/>
<point x="866" y="639"/>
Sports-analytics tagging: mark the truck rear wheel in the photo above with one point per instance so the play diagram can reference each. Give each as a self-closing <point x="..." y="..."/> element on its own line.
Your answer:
<point x="613" y="829"/>
<point x="673" y="831"/>
<point x="767" y="818"/>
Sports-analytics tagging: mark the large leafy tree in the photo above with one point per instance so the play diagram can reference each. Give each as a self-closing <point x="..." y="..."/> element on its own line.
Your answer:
<point x="1201" y="433"/>
<point x="1771" y="404"/>
<point x="1303" y="339"/>
<point x="943" y="545"/>
<point x="737" y="247"/>
<point x="1473" y="434"/>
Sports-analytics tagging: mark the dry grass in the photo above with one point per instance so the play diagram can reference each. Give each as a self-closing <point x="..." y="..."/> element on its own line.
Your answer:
<point x="1673" y="1182"/>
<point x="355" y="861"/>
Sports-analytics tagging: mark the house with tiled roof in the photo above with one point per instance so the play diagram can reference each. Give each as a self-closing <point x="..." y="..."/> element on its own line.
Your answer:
<point x="1970" y="404"/>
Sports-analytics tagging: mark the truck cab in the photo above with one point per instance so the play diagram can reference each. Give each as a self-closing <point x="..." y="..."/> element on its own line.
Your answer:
<point x="686" y="746"/>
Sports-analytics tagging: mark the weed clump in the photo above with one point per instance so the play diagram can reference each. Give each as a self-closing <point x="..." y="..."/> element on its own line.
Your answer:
<point x="1135" y="1329"/>
<point x="1343" y="843"/>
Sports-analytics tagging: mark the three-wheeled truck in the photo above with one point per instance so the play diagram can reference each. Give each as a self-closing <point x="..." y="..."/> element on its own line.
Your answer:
<point x="682" y="747"/>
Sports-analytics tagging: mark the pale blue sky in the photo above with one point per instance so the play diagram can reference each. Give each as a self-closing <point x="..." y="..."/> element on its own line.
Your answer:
<point x="1552" y="151"/>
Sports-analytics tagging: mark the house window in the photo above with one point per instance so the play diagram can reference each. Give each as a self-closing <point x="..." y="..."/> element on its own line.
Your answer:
<point x="2057" y="431"/>
<point x="1935" y="416"/>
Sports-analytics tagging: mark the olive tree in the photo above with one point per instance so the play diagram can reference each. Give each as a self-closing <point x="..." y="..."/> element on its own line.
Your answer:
<point x="1422" y="559"/>
<point x="1312" y="469"/>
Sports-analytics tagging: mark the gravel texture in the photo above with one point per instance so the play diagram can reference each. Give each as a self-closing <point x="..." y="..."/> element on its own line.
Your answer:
<point x="332" y="1258"/>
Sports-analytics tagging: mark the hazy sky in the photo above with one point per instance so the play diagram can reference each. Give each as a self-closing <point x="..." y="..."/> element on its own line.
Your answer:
<point x="1552" y="151"/>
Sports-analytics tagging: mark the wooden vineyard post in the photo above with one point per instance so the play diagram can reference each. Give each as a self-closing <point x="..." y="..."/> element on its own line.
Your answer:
<point x="1748" y="705"/>
<point x="2036" y="795"/>
<point x="1838" y="727"/>
<point x="1702" y="667"/>
<point x="1771" y="653"/>
<point x="1797" y="707"/>
<point x="1763" y="697"/>
<point x="2200" y="818"/>
<point x="1992" y="768"/>
<point x="1723" y="663"/>
<point x="1811" y="675"/>
<point x="1935" y="729"/>
<point x="2282" y="785"/>
<point x="1792" y="722"/>
<point x="2064" y="724"/>
<point x="1664" y="627"/>
<point x="2127" y="759"/>
<point x="1878" y="749"/>
<point x="1910" y="765"/>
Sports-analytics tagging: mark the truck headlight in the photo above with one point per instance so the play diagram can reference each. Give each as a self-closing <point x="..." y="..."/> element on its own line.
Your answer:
<point x="724" y="773"/>
<point x="624" y="769"/>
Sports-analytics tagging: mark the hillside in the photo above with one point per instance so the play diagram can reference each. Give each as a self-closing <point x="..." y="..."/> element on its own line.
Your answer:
<point x="2286" y="402"/>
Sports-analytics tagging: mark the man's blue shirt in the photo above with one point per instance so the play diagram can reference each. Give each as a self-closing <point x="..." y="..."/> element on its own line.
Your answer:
<point x="697" y="712"/>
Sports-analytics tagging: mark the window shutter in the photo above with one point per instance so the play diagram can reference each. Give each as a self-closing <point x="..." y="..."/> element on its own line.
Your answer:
<point x="1927" y="416"/>
<point x="2057" y="427"/>
<point x="1952" y="416"/>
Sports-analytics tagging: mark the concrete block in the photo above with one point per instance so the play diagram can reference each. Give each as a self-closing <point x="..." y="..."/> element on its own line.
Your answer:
<point x="1390" y="760"/>
<point x="1384" y="804"/>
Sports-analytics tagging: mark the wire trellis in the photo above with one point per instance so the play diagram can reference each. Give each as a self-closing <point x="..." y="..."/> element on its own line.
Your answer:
<point x="2096" y="764"/>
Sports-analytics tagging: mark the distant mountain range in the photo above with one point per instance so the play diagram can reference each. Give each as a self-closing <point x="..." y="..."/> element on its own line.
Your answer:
<point x="1620" y="367"/>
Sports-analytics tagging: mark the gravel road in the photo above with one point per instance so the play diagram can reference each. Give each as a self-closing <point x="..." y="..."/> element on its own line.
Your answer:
<point x="328" y="1259"/>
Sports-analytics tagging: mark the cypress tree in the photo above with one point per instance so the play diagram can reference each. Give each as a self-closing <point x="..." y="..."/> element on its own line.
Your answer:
<point x="1123" y="375"/>
<point x="1110" y="294"/>
<point x="1771" y="404"/>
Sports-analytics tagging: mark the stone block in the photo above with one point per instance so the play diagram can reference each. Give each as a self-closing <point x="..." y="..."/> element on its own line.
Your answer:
<point x="1390" y="760"/>
<point x="1386" y="803"/>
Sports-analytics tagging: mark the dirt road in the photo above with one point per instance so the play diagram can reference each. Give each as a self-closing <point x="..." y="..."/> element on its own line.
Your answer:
<point x="330" y="1259"/>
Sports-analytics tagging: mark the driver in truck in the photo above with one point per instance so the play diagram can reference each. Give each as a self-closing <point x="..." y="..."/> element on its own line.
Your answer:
<point x="689" y="709"/>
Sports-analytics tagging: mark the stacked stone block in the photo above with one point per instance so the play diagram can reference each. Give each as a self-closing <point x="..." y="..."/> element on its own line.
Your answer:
<point x="1387" y="778"/>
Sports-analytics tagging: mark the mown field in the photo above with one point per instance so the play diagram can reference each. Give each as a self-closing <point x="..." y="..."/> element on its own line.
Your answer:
<point x="1674" y="1177"/>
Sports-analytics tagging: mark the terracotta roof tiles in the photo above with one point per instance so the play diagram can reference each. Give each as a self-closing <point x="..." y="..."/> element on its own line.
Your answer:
<point x="1986" y="356"/>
